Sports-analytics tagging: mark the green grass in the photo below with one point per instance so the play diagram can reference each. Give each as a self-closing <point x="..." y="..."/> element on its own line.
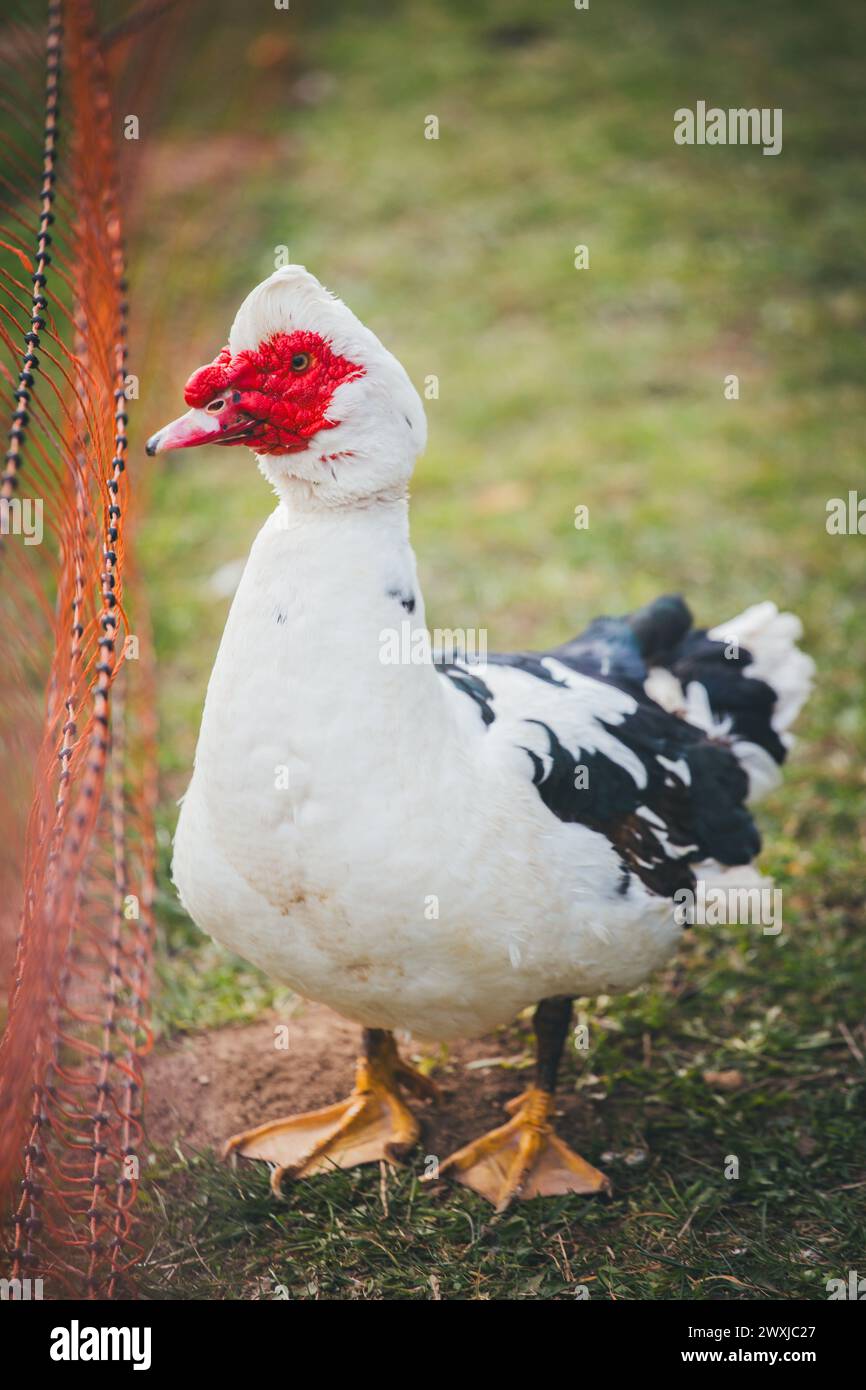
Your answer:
<point x="557" y="387"/>
<point x="677" y="1227"/>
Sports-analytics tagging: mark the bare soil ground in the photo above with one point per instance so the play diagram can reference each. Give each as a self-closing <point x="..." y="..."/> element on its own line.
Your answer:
<point x="206" y="1086"/>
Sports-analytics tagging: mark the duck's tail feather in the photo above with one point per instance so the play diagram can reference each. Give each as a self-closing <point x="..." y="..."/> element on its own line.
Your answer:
<point x="744" y="680"/>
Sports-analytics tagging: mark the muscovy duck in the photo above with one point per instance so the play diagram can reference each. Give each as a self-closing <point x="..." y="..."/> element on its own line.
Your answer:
<point x="433" y="845"/>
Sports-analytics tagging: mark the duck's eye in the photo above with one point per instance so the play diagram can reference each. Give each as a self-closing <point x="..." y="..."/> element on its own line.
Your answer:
<point x="300" y="361"/>
<point x="215" y="406"/>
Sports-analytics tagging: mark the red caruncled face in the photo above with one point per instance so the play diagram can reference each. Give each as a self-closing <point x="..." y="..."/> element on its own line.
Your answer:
<point x="274" y="398"/>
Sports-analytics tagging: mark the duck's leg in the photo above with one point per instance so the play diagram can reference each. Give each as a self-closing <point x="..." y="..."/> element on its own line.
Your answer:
<point x="525" y="1157"/>
<point x="373" y="1123"/>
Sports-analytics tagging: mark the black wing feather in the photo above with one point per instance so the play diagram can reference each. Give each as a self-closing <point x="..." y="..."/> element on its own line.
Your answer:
<point x="692" y="807"/>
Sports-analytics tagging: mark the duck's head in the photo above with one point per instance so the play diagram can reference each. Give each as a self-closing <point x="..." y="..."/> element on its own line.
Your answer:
<point x="311" y="391"/>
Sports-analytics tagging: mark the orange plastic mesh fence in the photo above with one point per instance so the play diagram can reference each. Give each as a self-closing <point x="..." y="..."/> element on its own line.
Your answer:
<point x="77" y="730"/>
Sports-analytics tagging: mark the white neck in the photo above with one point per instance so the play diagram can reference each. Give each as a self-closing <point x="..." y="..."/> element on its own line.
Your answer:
<point x="302" y="653"/>
<point x="328" y="494"/>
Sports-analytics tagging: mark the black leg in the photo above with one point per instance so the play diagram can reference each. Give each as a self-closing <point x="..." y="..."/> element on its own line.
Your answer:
<point x="526" y="1157"/>
<point x="551" y="1023"/>
<point x="377" y="1043"/>
<point x="379" y="1051"/>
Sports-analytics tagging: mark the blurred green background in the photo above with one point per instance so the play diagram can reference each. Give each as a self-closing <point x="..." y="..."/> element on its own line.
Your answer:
<point x="557" y="387"/>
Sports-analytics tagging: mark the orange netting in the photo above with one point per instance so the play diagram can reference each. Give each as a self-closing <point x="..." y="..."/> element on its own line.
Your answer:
<point x="77" y="731"/>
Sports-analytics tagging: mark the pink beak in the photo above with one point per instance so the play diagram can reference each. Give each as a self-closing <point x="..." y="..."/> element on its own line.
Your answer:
<point x="227" y="426"/>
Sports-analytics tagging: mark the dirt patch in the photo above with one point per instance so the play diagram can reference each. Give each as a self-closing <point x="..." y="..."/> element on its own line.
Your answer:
<point x="178" y="166"/>
<point x="206" y="1086"/>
